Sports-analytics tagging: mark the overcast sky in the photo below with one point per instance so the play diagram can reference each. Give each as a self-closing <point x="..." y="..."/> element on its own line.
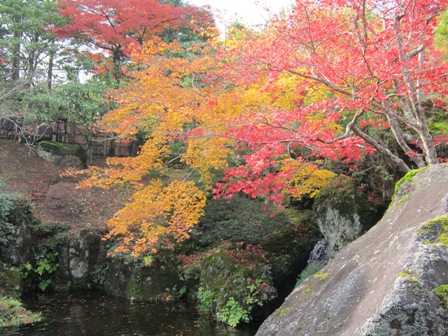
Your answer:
<point x="246" y="11"/>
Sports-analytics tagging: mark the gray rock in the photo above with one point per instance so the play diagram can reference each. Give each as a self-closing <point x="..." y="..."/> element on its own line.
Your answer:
<point x="80" y="256"/>
<point x="384" y="282"/>
<point x="343" y="213"/>
<point x="319" y="254"/>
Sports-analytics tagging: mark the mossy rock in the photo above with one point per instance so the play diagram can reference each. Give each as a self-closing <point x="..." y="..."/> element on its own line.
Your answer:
<point x="234" y="281"/>
<point x="19" y="248"/>
<point x="127" y="277"/>
<point x="63" y="154"/>
<point x="403" y="186"/>
<point x="343" y="212"/>
<point x="288" y="249"/>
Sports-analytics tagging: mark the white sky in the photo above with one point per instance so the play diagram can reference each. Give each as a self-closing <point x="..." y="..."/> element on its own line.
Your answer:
<point x="250" y="12"/>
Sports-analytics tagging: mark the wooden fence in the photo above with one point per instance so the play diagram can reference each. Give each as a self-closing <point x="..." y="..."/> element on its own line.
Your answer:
<point x="65" y="132"/>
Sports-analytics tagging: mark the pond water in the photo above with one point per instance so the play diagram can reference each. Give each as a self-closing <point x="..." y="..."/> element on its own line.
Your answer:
<point x="98" y="315"/>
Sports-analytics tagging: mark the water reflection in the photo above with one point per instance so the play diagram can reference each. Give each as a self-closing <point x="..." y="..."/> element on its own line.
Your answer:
<point x="98" y="315"/>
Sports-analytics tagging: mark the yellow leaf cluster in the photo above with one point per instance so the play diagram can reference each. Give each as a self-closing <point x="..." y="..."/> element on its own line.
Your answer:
<point x="305" y="179"/>
<point x="157" y="213"/>
<point x="207" y="154"/>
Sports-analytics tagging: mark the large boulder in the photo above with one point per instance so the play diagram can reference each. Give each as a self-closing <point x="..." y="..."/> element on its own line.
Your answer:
<point x="391" y="281"/>
<point x="343" y="213"/>
<point x="137" y="280"/>
<point x="79" y="257"/>
<point x="63" y="154"/>
<point x="16" y="236"/>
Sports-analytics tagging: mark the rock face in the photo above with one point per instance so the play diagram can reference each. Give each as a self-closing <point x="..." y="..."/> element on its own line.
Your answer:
<point x="79" y="257"/>
<point x="343" y="213"/>
<point x="387" y="282"/>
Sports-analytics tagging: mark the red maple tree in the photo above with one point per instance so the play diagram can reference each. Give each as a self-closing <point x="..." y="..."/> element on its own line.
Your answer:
<point x="122" y="26"/>
<point x="377" y="61"/>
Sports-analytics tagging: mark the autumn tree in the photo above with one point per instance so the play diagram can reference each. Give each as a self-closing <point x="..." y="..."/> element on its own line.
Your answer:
<point x="377" y="61"/>
<point x="120" y="27"/>
<point x="192" y="114"/>
<point x="165" y="100"/>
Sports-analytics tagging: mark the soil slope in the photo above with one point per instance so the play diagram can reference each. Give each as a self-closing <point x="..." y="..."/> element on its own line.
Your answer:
<point x="56" y="199"/>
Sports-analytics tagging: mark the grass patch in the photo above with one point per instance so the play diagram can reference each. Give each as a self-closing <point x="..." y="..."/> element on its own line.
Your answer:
<point x="12" y="313"/>
<point x="309" y="271"/>
<point x="442" y="294"/>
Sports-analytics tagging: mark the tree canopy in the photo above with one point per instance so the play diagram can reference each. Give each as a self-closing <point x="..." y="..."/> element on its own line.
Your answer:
<point x="275" y="113"/>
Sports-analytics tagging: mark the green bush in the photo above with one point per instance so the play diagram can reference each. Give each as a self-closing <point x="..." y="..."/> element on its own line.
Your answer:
<point x="232" y="283"/>
<point x="13" y="314"/>
<point x="6" y="228"/>
<point x="239" y="219"/>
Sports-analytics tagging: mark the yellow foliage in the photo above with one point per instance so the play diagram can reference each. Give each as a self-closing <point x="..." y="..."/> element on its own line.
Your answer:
<point x="157" y="213"/>
<point x="306" y="179"/>
<point x="207" y="154"/>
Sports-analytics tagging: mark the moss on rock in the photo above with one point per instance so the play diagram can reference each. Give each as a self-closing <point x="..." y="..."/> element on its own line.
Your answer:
<point x="233" y="280"/>
<point x="62" y="153"/>
<point x="288" y="249"/>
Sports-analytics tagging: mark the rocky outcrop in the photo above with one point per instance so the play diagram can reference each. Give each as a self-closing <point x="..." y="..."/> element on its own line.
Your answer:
<point x="62" y="154"/>
<point x="134" y="280"/>
<point x="19" y="243"/>
<point x="79" y="258"/>
<point x="343" y="213"/>
<point x="390" y="281"/>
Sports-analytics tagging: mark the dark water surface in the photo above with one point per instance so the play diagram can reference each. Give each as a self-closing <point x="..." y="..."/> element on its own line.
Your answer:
<point x="98" y="315"/>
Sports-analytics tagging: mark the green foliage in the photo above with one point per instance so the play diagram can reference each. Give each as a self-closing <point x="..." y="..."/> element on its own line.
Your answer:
<point x="441" y="33"/>
<point x="26" y="43"/>
<point x="309" y="271"/>
<point x="232" y="282"/>
<point x="45" y="267"/>
<point x="82" y="103"/>
<point x="50" y="238"/>
<point x="6" y="228"/>
<point x="442" y="294"/>
<point x="239" y="219"/>
<point x="13" y="314"/>
<point x="437" y="120"/>
<point x="233" y="313"/>
<point x="205" y="299"/>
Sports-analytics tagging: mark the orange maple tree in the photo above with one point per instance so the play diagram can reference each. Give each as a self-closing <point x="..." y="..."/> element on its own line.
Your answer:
<point x="272" y="108"/>
<point x="166" y="101"/>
